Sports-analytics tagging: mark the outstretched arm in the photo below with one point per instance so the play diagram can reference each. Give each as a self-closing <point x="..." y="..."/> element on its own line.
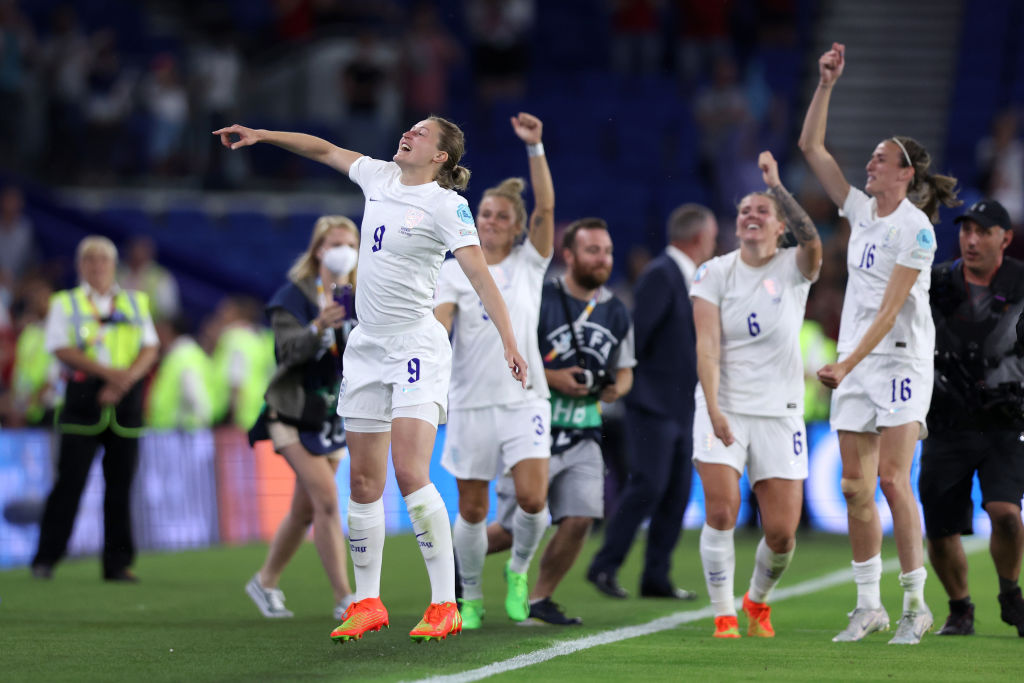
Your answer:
<point x="308" y="146"/>
<point x="812" y="137"/>
<point x="473" y="264"/>
<point x="808" y="251"/>
<point x="542" y="221"/>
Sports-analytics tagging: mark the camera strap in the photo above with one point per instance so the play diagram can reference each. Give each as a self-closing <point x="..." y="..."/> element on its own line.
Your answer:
<point x="579" y="321"/>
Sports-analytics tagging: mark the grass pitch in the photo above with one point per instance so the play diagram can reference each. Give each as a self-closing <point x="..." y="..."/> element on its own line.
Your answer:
<point x="190" y="620"/>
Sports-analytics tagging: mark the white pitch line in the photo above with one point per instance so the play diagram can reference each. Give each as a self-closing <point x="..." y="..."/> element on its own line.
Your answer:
<point x="661" y="624"/>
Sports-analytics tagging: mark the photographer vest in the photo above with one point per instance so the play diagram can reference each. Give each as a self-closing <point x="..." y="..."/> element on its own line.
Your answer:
<point x="977" y="355"/>
<point x="601" y="325"/>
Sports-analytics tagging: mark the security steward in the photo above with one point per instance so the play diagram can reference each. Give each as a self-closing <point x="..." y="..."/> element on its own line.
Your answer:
<point x="977" y="413"/>
<point x="105" y="338"/>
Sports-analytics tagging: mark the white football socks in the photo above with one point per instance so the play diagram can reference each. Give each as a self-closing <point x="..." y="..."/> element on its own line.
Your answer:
<point x="471" y="548"/>
<point x="527" y="532"/>
<point x="434" y="535"/>
<point x="913" y="589"/>
<point x="768" y="568"/>
<point x="718" y="555"/>
<point x="366" y="545"/>
<point x="868" y="577"/>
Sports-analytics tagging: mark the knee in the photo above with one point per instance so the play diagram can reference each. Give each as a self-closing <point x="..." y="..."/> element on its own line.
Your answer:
<point x="302" y="512"/>
<point x="532" y="501"/>
<point x="859" y="494"/>
<point x="365" y="488"/>
<point x="1006" y="521"/>
<point x="576" y="527"/>
<point x="721" y="515"/>
<point x="411" y="476"/>
<point x="779" y="541"/>
<point x="894" y="484"/>
<point x="473" y="512"/>
<point x="325" y="504"/>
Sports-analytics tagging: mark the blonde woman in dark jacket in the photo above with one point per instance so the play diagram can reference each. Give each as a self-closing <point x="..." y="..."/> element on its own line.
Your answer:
<point x="311" y="316"/>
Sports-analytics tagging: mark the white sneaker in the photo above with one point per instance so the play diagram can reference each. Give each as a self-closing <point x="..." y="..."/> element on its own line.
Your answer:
<point x="862" y="622"/>
<point x="339" y="609"/>
<point x="269" y="600"/>
<point x="911" y="626"/>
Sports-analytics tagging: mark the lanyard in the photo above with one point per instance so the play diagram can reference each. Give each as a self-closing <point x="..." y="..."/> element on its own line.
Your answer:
<point x="321" y="295"/>
<point x="574" y="326"/>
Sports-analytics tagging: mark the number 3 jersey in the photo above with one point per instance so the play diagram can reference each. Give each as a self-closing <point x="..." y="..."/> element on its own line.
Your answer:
<point x="761" y="311"/>
<point x="405" y="233"/>
<point x="480" y="375"/>
<point x="905" y="237"/>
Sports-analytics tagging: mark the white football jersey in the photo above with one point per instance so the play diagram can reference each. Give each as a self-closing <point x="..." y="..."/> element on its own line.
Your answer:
<point x="480" y="375"/>
<point x="761" y="311"/>
<point x="905" y="237"/>
<point x="405" y="233"/>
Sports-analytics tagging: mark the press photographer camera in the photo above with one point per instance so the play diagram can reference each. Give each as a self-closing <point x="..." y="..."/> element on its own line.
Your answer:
<point x="594" y="380"/>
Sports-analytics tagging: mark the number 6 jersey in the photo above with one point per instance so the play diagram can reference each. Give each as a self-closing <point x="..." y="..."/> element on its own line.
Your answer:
<point x="761" y="311"/>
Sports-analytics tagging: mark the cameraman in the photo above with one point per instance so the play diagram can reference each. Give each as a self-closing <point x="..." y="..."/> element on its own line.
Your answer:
<point x="975" y="416"/>
<point x="586" y="340"/>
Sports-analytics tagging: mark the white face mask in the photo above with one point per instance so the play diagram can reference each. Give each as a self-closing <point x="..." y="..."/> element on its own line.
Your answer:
<point x="340" y="260"/>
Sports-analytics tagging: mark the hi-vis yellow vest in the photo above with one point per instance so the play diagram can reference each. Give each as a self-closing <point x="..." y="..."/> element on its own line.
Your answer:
<point x="115" y="341"/>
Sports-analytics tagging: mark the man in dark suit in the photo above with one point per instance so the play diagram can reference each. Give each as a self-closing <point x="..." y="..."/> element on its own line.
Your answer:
<point x="659" y="411"/>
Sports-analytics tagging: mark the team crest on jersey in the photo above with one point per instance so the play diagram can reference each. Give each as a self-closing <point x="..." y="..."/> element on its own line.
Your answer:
<point x="699" y="275"/>
<point x="464" y="214"/>
<point x="413" y="217"/>
<point x="925" y="239"/>
<point x="773" y="289"/>
<point x="500" y="278"/>
<point x="890" y="236"/>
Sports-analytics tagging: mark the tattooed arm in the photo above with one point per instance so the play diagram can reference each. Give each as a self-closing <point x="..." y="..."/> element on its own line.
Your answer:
<point x="798" y="223"/>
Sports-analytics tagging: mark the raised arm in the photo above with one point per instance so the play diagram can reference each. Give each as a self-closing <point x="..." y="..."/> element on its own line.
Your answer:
<point x="708" y="321"/>
<point x="896" y="292"/>
<point x="808" y="251"/>
<point x="542" y="221"/>
<point x="473" y="264"/>
<point x="812" y="137"/>
<point x="308" y="146"/>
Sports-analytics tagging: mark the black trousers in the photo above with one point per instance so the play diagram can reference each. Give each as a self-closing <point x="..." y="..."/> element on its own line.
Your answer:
<point x="660" y="472"/>
<point x="120" y="460"/>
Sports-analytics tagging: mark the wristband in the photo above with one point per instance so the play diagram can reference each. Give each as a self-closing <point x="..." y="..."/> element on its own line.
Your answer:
<point x="535" y="150"/>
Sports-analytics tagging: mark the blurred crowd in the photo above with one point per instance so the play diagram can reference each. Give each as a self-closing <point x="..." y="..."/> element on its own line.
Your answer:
<point x="84" y="101"/>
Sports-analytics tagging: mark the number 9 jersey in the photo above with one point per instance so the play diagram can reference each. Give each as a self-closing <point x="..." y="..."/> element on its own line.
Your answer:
<point x="405" y="233"/>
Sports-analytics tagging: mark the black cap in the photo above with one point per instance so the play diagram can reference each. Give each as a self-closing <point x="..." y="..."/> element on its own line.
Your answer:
<point x="987" y="213"/>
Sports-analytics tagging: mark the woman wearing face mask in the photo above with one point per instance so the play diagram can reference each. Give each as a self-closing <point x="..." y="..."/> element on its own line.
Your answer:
<point x="311" y="317"/>
<point x="748" y="306"/>
<point x="494" y="426"/>
<point x="398" y="359"/>
<point x="883" y="379"/>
